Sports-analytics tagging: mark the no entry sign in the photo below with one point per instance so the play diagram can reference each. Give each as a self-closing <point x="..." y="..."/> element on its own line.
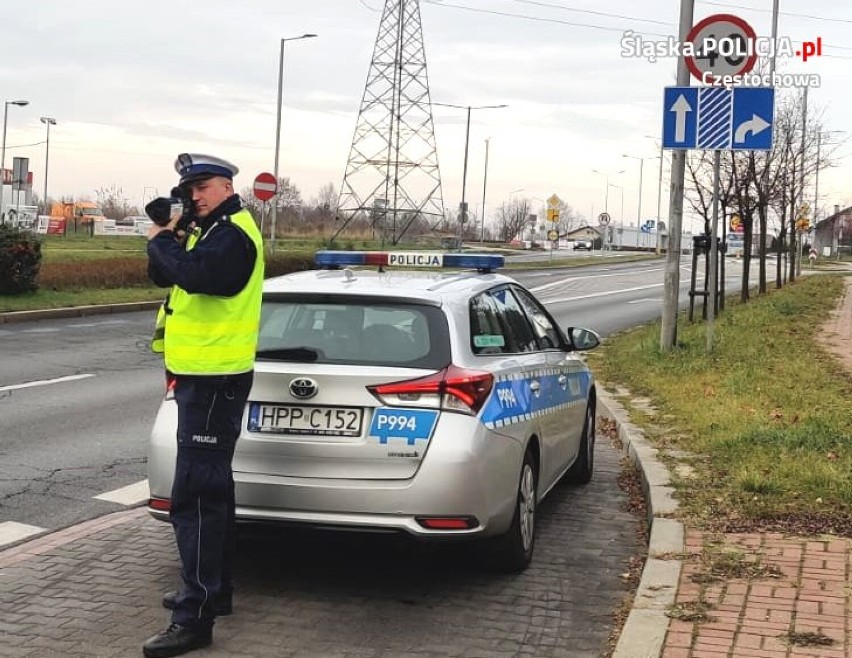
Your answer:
<point x="265" y="187"/>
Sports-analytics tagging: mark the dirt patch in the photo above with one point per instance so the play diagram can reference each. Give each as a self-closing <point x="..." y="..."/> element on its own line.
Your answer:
<point x="691" y="611"/>
<point x="808" y="639"/>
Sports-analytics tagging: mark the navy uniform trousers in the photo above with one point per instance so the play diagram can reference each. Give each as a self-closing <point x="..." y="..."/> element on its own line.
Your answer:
<point x="210" y="411"/>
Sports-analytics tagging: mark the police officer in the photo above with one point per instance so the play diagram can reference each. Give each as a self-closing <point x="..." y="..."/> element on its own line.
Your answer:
<point x="208" y="330"/>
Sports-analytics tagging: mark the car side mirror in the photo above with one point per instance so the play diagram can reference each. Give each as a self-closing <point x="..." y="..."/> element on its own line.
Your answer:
<point x="583" y="339"/>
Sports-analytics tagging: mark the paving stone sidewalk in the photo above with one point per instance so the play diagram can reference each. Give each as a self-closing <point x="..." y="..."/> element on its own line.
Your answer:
<point x="763" y="595"/>
<point x="93" y="590"/>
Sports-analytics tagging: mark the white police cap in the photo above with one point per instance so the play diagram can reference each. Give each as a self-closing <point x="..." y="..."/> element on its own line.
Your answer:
<point x="197" y="166"/>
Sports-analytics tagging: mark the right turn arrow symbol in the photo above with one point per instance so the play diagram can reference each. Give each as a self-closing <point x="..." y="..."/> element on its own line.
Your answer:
<point x="754" y="126"/>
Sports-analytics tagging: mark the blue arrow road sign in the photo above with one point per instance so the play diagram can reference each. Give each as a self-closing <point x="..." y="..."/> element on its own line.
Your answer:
<point x="754" y="109"/>
<point x="680" y="117"/>
<point x="715" y="118"/>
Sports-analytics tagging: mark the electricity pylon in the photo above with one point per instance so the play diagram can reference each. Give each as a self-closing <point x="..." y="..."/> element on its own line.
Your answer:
<point x="392" y="177"/>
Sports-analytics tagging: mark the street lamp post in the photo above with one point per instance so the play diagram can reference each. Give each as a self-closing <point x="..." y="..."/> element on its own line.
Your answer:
<point x="621" y="216"/>
<point x="641" y="166"/>
<point x="606" y="194"/>
<point x="484" y="183"/>
<point x="278" y="130"/>
<point x="48" y="121"/>
<point x="3" y="156"/>
<point x="659" y="194"/>
<point x="463" y="205"/>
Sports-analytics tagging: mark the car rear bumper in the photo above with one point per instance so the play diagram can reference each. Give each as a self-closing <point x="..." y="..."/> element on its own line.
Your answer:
<point x="469" y="471"/>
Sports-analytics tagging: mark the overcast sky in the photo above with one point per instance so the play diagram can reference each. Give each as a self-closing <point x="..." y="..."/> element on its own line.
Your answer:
<point x="133" y="84"/>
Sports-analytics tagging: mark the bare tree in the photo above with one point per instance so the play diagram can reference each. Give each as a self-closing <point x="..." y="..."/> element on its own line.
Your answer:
<point x="512" y="216"/>
<point x="114" y="204"/>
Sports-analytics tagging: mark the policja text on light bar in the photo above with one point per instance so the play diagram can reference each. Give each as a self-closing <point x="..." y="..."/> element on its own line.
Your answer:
<point x="481" y="262"/>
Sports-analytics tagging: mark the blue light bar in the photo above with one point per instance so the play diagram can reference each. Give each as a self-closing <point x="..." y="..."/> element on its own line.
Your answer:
<point x="480" y="262"/>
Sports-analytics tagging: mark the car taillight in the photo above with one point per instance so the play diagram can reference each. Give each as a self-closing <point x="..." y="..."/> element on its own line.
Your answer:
<point x="160" y="504"/>
<point x="171" y="382"/>
<point x="450" y="389"/>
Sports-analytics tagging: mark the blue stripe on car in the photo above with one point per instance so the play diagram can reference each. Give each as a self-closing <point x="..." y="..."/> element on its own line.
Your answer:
<point x="512" y="400"/>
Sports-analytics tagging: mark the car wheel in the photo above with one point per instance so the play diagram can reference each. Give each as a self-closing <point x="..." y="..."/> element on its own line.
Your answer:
<point x="584" y="466"/>
<point x="513" y="551"/>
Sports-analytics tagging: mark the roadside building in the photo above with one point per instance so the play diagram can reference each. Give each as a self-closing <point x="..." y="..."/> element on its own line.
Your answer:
<point x="832" y="237"/>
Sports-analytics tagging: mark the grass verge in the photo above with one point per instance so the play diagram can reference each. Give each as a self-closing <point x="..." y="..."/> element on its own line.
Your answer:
<point x="43" y="299"/>
<point x="758" y="434"/>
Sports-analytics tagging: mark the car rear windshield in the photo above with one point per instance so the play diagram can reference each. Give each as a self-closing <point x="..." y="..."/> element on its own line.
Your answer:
<point x="356" y="331"/>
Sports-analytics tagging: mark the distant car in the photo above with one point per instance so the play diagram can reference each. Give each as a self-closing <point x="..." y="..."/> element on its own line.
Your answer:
<point x="583" y="244"/>
<point x="442" y="405"/>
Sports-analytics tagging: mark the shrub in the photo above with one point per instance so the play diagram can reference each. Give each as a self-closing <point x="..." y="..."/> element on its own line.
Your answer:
<point x="123" y="272"/>
<point x="287" y="263"/>
<point x="20" y="259"/>
<point x="130" y="272"/>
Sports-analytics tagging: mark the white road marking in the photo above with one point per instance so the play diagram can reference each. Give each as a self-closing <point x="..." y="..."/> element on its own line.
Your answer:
<point x="12" y="531"/>
<point x="132" y="494"/>
<point x="645" y="300"/>
<point x="603" y="294"/>
<point x="44" y="382"/>
<point x="45" y="330"/>
<point x="594" y="276"/>
<point x="82" y="325"/>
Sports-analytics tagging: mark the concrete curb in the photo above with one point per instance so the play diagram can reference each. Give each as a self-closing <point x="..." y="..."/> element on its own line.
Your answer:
<point x="77" y="311"/>
<point x="644" y="632"/>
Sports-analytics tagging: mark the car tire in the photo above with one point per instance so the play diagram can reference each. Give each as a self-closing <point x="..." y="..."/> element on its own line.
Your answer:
<point x="583" y="468"/>
<point x="513" y="551"/>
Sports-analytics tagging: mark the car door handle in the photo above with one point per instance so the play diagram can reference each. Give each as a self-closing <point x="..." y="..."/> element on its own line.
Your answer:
<point x="563" y="381"/>
<point x="535" y="387"/>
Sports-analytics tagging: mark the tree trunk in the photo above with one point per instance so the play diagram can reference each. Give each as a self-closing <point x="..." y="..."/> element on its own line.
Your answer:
<point x="779" y="249"/>
<point x="792" y="246"/>
<point x="744" y="293"/>
<point x="761" y="213"/>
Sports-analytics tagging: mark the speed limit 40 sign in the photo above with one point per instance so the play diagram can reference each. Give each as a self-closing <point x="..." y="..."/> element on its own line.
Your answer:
<point x="724" y="45"/>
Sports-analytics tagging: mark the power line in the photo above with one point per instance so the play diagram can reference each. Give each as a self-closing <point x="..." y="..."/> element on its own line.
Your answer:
<point x="783" y="13"/>
<point x="20" y="146"/>
<point x="538" y="3"/>
<point x="538" y="19"/>
<point x="366" y="6"/>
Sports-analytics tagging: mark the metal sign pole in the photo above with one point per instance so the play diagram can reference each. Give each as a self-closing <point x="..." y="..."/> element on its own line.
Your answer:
<point x="668" y="324"/>
<point x="714" y="252"/>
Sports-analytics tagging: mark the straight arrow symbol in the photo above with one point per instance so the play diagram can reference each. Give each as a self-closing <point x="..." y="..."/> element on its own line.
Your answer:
<point x="680" y="107"/>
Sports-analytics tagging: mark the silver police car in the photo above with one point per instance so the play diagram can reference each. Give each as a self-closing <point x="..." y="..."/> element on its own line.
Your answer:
<point x="440" y="404"/>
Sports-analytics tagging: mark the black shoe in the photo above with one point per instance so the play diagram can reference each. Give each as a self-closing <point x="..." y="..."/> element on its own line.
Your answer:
<point x="223" y="606"/>
<point x="176" y="640"/>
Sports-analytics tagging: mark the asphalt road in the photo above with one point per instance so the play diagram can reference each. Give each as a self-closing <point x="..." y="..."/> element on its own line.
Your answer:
<point x="78" y="396"/>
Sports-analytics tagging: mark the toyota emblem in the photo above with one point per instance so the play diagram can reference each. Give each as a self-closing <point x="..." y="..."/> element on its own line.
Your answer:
<point x="303" y="388"/>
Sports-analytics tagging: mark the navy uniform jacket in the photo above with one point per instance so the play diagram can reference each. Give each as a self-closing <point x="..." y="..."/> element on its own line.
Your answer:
<point x="220" y="264"/>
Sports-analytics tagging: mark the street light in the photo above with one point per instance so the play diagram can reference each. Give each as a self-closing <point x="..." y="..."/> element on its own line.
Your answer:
<point x="278" y="130"/>
<point x="463" y="205"/>
<point x="659" y="192"/>
<point x="641" y="166"/>
<point x="3" y="156"/>
<point x="484" y="183"/>
<point x="48" y="121"/>
<point x="621" y="189"/>
<point x="606" y="195"/>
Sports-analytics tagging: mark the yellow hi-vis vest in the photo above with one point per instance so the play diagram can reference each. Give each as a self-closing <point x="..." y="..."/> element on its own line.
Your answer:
<point x="158" y="341"/>
<point x="210" y="335"/>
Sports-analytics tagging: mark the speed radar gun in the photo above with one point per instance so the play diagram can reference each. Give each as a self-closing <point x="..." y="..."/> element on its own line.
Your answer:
<point x="164" y="209"/>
